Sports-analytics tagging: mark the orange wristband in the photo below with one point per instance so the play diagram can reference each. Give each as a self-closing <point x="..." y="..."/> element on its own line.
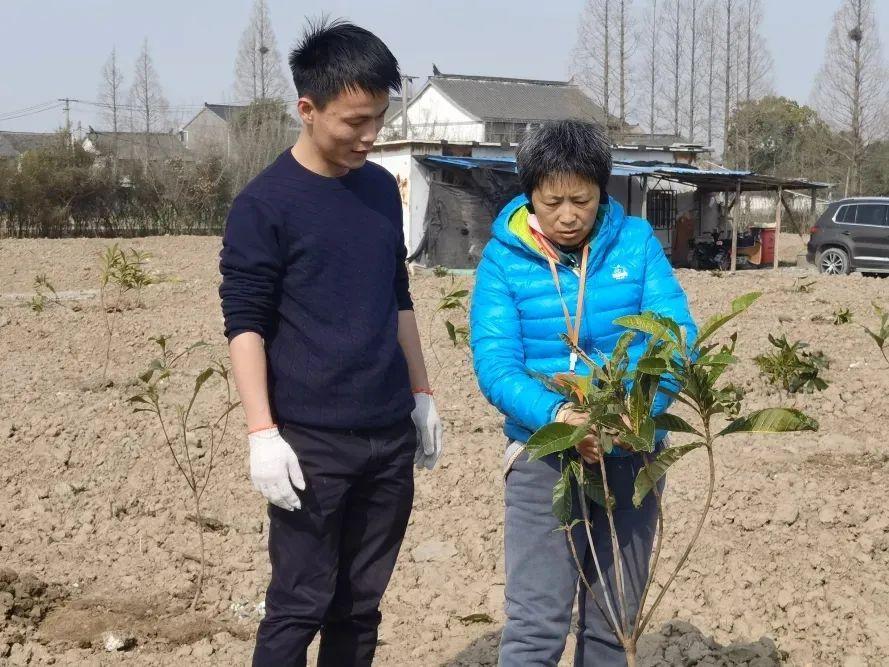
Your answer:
<point x="424" y="390"/>
<point x="261" y="428"/>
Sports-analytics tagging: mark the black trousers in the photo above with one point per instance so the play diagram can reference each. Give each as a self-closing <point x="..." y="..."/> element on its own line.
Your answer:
<point x="332" y="559"/>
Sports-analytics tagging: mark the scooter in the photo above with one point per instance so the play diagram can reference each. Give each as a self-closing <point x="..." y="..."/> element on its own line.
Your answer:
<point x="715" y="254"/>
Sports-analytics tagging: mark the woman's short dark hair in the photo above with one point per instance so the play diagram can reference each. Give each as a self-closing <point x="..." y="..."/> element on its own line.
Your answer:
<point x="334" y="56"/>
<point x="564" y="148"/>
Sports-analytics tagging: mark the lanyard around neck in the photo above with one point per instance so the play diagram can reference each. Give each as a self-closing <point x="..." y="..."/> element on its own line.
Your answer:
<point x="572" y="329"/>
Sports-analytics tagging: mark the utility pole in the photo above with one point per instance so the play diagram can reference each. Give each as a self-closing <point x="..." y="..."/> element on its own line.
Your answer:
<point x="67" y="101"/>
<point x="68" y="138"/>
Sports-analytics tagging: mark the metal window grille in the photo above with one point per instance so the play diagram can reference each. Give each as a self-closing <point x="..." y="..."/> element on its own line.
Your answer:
<point x="662" y="209"/>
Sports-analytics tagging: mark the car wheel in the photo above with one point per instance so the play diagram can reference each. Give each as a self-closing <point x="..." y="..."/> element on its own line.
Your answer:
<point x="834" y="262"/>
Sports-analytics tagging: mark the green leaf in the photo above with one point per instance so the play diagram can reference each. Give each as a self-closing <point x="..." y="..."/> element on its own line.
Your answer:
<point x="771" y="420"/>
<point x="878" y="339"/>
<point x="619" y="353"/>
<point x="555" y="437"/>
<point x="592" y="485"/>
<point x="713" y="324"/>
<point x="646" y="323"/>
<point x="649" y="475"/>
<point x="719" y="359"/>
<point x="568" y="526"/>
<point x="636" y="442"/>
<point x="452" y="331"/>
<point x="744" y="301"/>
<point x="652" y="366"/>
<point x="562" y="497"/>
<point x="138" y="399"/>
<point x="202" y="378"/>
<point x="476" y="618"/>
<point x="675" y="424"/>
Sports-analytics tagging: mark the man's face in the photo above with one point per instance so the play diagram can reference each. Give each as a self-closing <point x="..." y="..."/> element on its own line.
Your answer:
<point x="566" y="207"/>
<point x="345" y="130"/>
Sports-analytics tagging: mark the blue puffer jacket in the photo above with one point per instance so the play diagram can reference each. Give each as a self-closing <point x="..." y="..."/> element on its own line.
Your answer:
<point x="516" y="317"/>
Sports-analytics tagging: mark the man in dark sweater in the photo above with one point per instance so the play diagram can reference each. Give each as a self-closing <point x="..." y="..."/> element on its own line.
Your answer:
<point x="326" y="356"/>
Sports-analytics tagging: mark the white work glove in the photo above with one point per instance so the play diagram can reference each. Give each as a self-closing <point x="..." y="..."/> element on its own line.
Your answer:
<point x="429" y="431"/>
<point x="274" y="469"/>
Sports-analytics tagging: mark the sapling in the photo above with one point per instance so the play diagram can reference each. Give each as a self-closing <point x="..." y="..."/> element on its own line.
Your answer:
<point x="450" y="300"/>
<point x="881" y="335"/>
<point x="123" y="271"/>
<point x="792" y="367"/>
<point x="843" y="316"/>
<point x="180" y="432"/>
<point x="40" y="299"/>
<point x="617" y="399"/>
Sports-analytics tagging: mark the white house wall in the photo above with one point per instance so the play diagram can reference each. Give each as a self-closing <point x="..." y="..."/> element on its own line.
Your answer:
<point x="413" y="186"/>
<point x="433" y="116"/>
<point x="416" y="212"/>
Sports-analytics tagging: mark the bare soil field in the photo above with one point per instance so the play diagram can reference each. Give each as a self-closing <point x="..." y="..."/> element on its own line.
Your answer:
<point x="97" y="549"/>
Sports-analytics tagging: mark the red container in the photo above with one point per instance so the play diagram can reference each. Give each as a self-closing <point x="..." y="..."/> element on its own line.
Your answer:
<point x="767" y="241"/>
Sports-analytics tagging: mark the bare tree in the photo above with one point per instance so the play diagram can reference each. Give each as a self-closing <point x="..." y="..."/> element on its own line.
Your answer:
<point x="592" y="57"/>
<point x="692" y="79"/>
<point x="258" y="67"/>
<point x="147" y="100"/>
<point x="259" y="133"/>
<point x="111" y="98"/>
<point x="727" y="71"/>
<point x="755" y="65"/>
<point x="710" y="23"/>
<point x="849" y="89"/>
<point x="648" y="75"/>
<point x="674" y="40"/>
<point x="757" y="59"/>
<point x="623" y="58"/>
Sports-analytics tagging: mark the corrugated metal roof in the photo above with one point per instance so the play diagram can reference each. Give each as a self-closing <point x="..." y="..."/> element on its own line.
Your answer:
<point x="491" y="98"/>
<point x="719" y="180"/>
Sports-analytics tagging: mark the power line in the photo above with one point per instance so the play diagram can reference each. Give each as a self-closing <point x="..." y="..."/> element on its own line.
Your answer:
<point x="13" y="115"/>
<point x="30" y="108"/>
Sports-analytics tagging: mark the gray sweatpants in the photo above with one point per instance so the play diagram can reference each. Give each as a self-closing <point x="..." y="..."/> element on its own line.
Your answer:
<point x="541" y="574"/>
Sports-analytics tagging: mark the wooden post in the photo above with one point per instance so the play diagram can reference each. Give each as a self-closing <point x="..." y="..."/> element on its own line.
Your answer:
<point x="812" y="217"/>
<point x="629" y="195"/>
<point x="778" y="209"/>
<point x="736" y="205"/>
<point x="644" y="208"/>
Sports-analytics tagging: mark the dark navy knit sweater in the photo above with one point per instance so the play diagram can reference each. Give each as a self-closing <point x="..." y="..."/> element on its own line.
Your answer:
<point x="316" y="266"/>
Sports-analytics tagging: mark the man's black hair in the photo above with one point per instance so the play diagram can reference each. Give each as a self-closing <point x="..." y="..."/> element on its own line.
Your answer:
<point x="564" y="148"/>
<point x="334" y="56"/>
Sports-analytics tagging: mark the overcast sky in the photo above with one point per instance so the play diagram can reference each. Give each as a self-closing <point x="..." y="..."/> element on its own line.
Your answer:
<point x="56" y="48"/>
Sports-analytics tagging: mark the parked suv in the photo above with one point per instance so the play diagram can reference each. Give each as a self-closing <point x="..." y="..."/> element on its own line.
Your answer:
<point x="852" y="235"/>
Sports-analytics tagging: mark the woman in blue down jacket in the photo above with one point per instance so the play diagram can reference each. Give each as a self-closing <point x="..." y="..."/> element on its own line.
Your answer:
<point x="564" y="231"/>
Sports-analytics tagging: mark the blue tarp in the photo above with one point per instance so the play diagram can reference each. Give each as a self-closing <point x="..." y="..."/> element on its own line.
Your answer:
<point x="508" y="164"/>
<point x="713" y="180"/>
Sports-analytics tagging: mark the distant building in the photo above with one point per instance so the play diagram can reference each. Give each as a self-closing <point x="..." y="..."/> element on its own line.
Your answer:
<point x="134" y="148"/>
<point x="13" y="145"/>
<point x="210" y="131"/>
<point x="456" y="107"/>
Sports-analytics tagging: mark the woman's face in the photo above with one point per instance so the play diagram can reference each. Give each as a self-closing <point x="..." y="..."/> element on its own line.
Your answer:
<point x="566" y="208"/>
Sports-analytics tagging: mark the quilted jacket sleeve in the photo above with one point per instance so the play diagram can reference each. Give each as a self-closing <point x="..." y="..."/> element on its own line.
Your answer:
<point x="498" y="355"/>
<point x="662" y="294"/>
